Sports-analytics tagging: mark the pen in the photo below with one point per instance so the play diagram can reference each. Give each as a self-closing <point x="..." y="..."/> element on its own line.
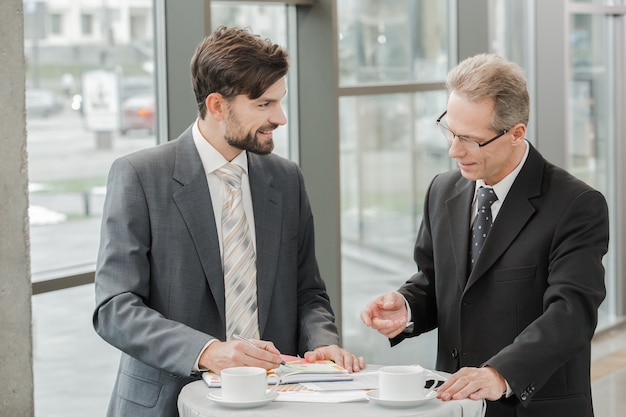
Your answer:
<point x="243" y="339"/>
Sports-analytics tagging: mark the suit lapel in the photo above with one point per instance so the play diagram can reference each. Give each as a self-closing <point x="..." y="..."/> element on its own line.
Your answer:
<point x="267" y="205"/>
<point x="515" y="212"/>
<point x="194" y="202"/>
<point x="459" y="226"/>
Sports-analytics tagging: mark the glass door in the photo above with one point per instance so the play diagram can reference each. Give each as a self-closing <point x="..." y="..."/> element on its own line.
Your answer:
<point x="596" y="54"/>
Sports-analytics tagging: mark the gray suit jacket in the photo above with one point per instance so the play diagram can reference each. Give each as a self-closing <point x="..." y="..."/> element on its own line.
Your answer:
<point x="529" y="306"/>
<point x="159" y="280"/>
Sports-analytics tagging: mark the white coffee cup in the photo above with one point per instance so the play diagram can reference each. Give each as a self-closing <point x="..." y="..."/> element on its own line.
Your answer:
<point x="403" y="382"/>
<point x="243" y="384"/>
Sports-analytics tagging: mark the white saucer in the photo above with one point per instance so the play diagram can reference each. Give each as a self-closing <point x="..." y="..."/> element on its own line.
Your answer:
<point x="217" y="397"/>
<point x="374" y="396"/>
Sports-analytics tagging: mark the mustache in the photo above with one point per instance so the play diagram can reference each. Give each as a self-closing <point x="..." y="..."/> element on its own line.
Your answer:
<point x="271" y="126"/>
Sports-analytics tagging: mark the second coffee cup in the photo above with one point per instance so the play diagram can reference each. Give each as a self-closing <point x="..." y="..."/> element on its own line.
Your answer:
<point x="402" y="382"/>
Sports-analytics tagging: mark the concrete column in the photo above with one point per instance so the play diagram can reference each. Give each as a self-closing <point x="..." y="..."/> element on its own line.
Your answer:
<point x="319" y="136"/>
<point x="16" y="371"/>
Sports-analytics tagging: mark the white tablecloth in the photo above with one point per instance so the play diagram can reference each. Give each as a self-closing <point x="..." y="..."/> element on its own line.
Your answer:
<point x="193" y="402"/>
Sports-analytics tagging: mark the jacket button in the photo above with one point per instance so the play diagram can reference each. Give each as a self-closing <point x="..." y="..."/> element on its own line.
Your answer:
<point x="524" y="396"/>
<point x="455" y="353"/>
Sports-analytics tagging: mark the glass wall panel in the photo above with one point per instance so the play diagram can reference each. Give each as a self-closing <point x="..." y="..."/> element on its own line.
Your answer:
<point x="392" y="41"/>
<point x="89" y="100"/>
<point x="592" y="122"/>
<point x="381" y="138"/>
<point x="269" y="21"/>
<point x="74" y="368"/>
<point x="511" y="35"/>
<point x="390" y="150"/>
<point x="601" y="2"/>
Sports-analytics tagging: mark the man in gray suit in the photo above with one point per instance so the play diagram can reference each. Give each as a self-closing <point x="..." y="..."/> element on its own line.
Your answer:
<point x="515" y="319"/>
<point x="160" y="286"/>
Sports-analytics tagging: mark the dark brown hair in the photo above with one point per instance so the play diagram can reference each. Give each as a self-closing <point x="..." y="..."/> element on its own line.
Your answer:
<point x="233" y="61"/>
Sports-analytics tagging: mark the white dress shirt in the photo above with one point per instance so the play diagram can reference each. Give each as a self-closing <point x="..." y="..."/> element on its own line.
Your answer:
<point x="211" y="161"/>
<point x="501" y="189"/>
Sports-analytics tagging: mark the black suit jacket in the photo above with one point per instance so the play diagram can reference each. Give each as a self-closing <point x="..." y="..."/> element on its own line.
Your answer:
<point x="529" y="307"/>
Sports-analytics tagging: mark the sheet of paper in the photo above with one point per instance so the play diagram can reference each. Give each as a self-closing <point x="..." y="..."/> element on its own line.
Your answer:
<point x="322" y="396"/>
<point x="363" y="380"/>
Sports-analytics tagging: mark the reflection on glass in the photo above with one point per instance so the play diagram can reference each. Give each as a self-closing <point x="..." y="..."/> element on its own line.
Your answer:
<point x="89" y="99"/>
<point x="390" y="150"/>
<point x="511" y="32"/>
<point x="602" y="2"/>
<point x="391" y="41"/>
<point x="74" y="368"/>
<point x="268" y="21"/>
<point x="592" y="92"/>
<point x="592" y="117"/>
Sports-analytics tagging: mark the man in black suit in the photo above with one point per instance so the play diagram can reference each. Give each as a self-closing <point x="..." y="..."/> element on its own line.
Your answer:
<point x="515" y="314"/>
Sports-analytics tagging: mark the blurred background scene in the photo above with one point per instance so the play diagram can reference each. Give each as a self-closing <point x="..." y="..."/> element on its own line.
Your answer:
<point x="108" y="77"/>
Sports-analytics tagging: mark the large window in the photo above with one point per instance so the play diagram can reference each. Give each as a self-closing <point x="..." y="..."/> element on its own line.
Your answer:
<point x="89" y="99"/>
<point x="595" y="71"/>
<point x="392" y="41"/>
<point x="88" y="102"/>
<point x="512" y="35"/>
<point x="393" y="59"/>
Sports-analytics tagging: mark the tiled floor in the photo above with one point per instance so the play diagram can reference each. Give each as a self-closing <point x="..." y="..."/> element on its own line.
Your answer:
<point x="608" y="372"/>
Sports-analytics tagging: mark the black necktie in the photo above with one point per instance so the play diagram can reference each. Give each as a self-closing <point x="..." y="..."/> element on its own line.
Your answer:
<point x="482" y="223"/>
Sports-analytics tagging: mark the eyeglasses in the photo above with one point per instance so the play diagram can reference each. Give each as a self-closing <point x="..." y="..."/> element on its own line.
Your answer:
<point x="470" y="144"/>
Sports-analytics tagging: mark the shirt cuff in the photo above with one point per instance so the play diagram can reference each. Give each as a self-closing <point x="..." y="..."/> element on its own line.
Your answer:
<point x="509" y="391"/>
<point x="196" y="366"/>
<point x="409" y="324"/>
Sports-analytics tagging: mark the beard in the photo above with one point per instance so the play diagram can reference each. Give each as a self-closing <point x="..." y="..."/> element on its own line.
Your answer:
<point x="235" y="136"/>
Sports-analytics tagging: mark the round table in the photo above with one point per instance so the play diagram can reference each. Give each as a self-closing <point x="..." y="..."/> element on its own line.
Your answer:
<point x="193" y="401"/>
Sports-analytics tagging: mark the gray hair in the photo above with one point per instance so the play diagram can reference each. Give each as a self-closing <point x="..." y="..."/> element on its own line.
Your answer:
<point x="489" y="76"/>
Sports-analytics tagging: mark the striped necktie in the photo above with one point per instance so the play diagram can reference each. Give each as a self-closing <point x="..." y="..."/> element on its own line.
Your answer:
<point x="239" y="259"/>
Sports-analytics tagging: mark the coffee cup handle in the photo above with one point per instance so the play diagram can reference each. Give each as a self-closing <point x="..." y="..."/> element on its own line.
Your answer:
<point x="428" y="374"/>
<point x="275" y="381"/>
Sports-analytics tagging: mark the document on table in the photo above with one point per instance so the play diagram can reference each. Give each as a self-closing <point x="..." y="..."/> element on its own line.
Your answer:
<point x="322" y="396"/>
<point x="364" y="380"/>
<point x="334" y="392"/>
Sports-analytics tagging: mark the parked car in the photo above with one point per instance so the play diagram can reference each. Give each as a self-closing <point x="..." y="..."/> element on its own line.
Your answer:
<point x="135" y="85"/>
<point x="138" y="113"/>
<point x="42" y="103"/>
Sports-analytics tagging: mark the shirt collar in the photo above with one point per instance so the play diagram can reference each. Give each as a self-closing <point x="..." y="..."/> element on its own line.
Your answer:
<point x="503" y="187"/>
<point x="210" y="157"/>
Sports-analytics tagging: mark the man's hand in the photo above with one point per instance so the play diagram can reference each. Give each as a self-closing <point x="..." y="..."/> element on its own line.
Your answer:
<point x="221" y="355"/>
<point x="474" y="383"/>
<point x="338" y="355"/>
<point x="386" y="313"/>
